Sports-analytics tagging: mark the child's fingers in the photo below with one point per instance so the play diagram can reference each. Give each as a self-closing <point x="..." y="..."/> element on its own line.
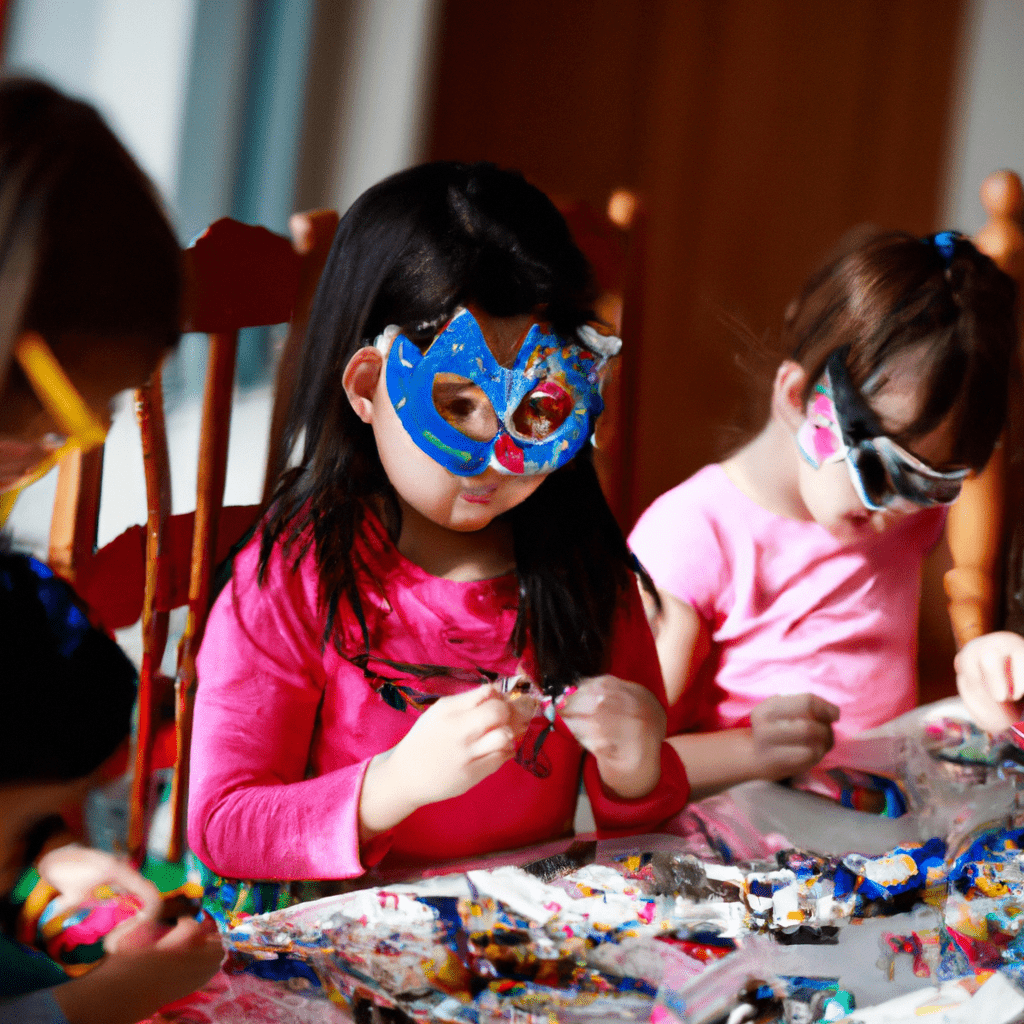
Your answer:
<point x="1015" y="675"/>
<point x="189" y="933"/>
<point x="822" y="710"/>
<point x="609" y="695"/>
<point x="136" y="933"/>
<point x="583" y="729"/>
<point x="500" y="741"/>
<point x="803" y="731"/>
<point x="992" y="674"/>
<point x="592" y="697"/>
<point x="470" y="699"/>
<point x="75" y="871"/>
<point x="791" y="760"/>
<point x="474" y="712"/>
<point x="807" y="734"/>
<point x="123" y="876"/>
<point x="797" y="706"/>
<point x="521" y="712"/>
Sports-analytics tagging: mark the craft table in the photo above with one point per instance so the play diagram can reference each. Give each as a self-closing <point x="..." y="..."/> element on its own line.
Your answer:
<point x="757" y="819"/>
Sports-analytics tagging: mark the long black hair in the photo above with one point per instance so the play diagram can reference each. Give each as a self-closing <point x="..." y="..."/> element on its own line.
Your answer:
<point x="408" y="252"/>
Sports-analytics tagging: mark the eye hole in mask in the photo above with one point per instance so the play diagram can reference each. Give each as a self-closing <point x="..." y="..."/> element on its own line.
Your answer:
<point x="465" y="406"/>
<point x="872" y="474"/>
<point x="542" y="411"/>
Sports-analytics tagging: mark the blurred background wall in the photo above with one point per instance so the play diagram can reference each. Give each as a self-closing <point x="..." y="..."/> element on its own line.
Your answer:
<point x="753" y="132"/>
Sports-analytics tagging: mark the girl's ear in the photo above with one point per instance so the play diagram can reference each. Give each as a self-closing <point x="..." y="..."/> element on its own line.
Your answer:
<point x="788" y="394"/>
<point x="360" y="380"/>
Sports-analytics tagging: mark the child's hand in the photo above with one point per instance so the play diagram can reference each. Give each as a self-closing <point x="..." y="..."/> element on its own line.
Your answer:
<point x="622" y="725"/>
<point x="139" y="977"/>
<point x="75" y="871"/>
<point x="791" y="732"/>
<point x="990" y="678"/>
<point x="451" y="747"/>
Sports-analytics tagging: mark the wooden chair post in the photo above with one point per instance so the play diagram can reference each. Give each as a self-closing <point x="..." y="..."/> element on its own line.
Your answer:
<point x="149" y="411"/>
<point x="76" y="512"/>
<point x="212" y="472"/>
<point x="977" y="523"/>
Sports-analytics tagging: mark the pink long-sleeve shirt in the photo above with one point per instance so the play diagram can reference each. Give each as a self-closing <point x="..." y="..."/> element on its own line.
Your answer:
<point x="284" y="729"/>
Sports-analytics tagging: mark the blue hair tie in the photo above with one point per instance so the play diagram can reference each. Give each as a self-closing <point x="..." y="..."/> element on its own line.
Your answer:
<point x="945" y="243"/>
<point x="69" y="625"/>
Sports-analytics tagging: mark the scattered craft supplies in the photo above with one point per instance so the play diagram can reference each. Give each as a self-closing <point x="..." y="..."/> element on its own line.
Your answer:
<point x="611" y="933"/>
<point x="651" y="933"/>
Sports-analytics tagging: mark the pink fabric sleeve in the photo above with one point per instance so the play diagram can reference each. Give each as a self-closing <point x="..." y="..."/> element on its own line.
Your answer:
<point x="252" y="811"/>
<point x="635" y="658"/>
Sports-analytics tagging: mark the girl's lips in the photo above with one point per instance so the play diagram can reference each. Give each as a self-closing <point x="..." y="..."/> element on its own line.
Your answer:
<point x="479" y="495"/>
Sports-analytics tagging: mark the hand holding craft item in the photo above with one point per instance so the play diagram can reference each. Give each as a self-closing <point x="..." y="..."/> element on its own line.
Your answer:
<point x="623" y="726"/>
<point x="793" y="567"/>
<point x="74" y="871"/>
<point x="791" y="732"/>
<point x="990" y="678"/>
<point x="143" y="972"/>
<point x="453" y="745"/>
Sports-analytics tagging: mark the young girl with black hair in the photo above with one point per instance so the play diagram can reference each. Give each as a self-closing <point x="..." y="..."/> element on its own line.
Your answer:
<point x="790" y="573"/>
<point x="439" y="617"/>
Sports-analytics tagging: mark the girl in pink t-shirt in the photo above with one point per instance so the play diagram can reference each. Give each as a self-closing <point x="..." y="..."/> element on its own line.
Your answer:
<point x="789" y="574"/>
<point x="437" y="628"/>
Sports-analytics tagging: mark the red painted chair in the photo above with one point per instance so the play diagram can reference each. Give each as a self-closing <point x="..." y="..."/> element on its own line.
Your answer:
<point x="236" y="276"/>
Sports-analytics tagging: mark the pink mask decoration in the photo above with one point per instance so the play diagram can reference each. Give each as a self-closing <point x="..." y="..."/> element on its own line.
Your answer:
<point x="819" y="438"/>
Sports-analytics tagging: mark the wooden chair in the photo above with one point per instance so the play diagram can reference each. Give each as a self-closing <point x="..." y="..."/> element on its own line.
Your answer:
<point x="236" y="276"/>
<point x="613" y="240"/>
<point x="980" y="531"/>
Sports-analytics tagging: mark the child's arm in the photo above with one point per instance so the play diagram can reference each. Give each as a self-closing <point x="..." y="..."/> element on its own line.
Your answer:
<point x="788" y="733"/>
<point x="132" y="984"/>
<point x="990" y="679"/>
<point x="623" y="725"/>
<point x="634" y="779"/>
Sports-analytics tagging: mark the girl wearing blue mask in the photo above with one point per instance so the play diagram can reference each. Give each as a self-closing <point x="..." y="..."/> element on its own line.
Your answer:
<point x="790" y="573"/>
<point x="438" y="626"/>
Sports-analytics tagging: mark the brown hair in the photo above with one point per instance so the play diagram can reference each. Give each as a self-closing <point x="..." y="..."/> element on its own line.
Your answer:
<point x="892" y="293"/>
<point x="84" y="243"/>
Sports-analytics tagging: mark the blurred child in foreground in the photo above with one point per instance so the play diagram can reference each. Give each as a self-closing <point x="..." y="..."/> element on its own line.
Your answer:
<point x="89" y="294"/>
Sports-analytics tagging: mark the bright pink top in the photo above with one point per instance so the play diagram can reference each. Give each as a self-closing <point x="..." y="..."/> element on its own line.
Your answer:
<point x="788" y="608"/>
<point x="284" y="730"/>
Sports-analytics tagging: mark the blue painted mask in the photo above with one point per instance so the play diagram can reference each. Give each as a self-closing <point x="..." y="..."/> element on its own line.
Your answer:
<point x="529" y="418"/>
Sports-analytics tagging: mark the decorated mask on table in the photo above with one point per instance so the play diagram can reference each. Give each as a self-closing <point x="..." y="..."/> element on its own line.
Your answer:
<point x="544" y="406"/>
